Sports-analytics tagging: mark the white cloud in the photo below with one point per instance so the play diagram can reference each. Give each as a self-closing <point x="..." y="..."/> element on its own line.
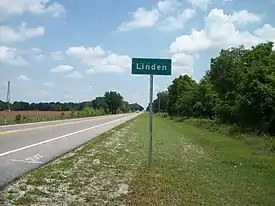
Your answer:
<point x="193" y="43"/>
<point x="23" y="78"/>
<point x="36" y="50"/>
<point x="267" y="32"/>
<point x="99" y="60"/>
<point x="10" y="8"/>
<point x="83" y="52"/>
<point x="57" y="55"/>
<point x="48" y="84"/>
<point x="62" y="68"/>
<point x="165" y="15"/>
<point x="74" y="75"/>
<point x="177" y="22"/>
<point x="168" y="6"/>
<point x="39" y="57"/>
<point x="11" y="56"/>
<point x="220" y="32"/>
<point x="202" y="4"/>
<point x="35" y="53"/>
<point x="9" y="35"/>
<point x="242" y="17"/>
<point x="141" y="18"/>
<point x="183" y="63"/>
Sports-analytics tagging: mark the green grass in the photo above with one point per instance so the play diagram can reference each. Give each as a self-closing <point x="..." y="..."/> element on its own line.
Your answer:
<point x="259" y="143"/>
<point x="191" y="166"/>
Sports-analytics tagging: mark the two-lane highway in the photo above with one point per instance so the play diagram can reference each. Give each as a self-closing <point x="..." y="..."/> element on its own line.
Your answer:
<point x="28" y="146"/>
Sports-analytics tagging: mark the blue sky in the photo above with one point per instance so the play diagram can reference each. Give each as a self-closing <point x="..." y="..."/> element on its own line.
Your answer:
<point x="76" y="50"/>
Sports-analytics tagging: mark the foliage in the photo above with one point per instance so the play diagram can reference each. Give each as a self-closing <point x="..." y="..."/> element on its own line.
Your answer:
<point x="18" y="118"/>
<point x="90" y="111"/>
<point x="160" y="103"/>
<point x="100" y="103"/>
<point x="3" y="105"/>
<point x="135" y="107"/>
<point x="238" y="89"/>
<point x="111" y="102"/>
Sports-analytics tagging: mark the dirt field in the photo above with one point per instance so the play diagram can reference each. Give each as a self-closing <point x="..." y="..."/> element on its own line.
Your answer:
<point x="32" y="116"/>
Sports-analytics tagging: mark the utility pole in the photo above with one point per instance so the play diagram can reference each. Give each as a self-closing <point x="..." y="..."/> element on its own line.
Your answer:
<point x="9" y="95"/>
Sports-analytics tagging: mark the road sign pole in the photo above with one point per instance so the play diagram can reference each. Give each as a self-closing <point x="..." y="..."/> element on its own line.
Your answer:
<point x="149" y="66"/>
<point x="150" y="124"/>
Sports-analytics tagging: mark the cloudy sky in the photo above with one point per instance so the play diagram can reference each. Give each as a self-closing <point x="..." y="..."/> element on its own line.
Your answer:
<point x="65" y="50"/>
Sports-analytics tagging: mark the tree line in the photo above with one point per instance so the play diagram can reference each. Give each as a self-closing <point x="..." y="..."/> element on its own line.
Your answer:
<point x="111" y="103"/>
<point x="239" y="88"/>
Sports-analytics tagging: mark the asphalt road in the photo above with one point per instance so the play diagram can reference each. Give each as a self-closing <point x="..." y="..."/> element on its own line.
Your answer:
<point x="26" y="147"/>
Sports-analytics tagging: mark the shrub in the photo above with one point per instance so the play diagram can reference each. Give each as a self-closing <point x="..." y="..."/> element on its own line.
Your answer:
<point x="62" y="115"/>
<point x="72" y="114"/>
<point x="18" y="118"/>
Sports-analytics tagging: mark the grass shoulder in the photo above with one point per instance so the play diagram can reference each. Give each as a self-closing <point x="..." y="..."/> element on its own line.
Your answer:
<point x="191" y="166"/>
<point x="260" y="143"/>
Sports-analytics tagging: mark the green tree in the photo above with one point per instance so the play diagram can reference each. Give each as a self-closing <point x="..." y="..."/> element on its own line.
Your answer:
<point x="3" y="105"/>
<point x="136" y="107"/>
<point x="160" y="103"/>
<point x="125" y="107"/>
<point x="244" y="80"/>
<point x="100" y="103"/>
<point x="113" y="100"/>
<point x="181" y="96"/>
<point x="205" y="99"/>
<point x="20" y="106"/>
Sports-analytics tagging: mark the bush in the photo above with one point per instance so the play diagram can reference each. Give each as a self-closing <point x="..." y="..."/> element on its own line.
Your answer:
<point x="100" y="111"/>
<point x="18" y="118"/>
<point x="72" y="114"/>
<point x="62" y="115"/>
<point x="89" y="111"/>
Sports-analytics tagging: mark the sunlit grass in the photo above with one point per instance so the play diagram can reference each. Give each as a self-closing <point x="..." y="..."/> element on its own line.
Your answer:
<point x="191" y="166"/>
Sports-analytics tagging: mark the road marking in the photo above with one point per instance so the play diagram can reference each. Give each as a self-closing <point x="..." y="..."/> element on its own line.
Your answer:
<point x="63" y="136"/>
<point x="26" y="161"/>
<point x="31" y="160"/>
<point x="35" y="158"/>
<point x="46" y="126"/>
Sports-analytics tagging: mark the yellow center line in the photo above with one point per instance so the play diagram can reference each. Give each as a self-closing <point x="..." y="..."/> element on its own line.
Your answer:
<point x="41" y="127"/>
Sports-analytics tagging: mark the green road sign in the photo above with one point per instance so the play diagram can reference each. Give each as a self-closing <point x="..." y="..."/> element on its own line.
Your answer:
<point x="151" y="66"/>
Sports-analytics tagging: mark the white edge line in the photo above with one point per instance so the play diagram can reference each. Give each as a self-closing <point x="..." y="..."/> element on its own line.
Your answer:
<point x="61" y="137"/>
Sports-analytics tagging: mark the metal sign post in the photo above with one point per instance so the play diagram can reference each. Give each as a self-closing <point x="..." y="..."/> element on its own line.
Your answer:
<point x="150" y="124"/>
<point x="151" y="67"/>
